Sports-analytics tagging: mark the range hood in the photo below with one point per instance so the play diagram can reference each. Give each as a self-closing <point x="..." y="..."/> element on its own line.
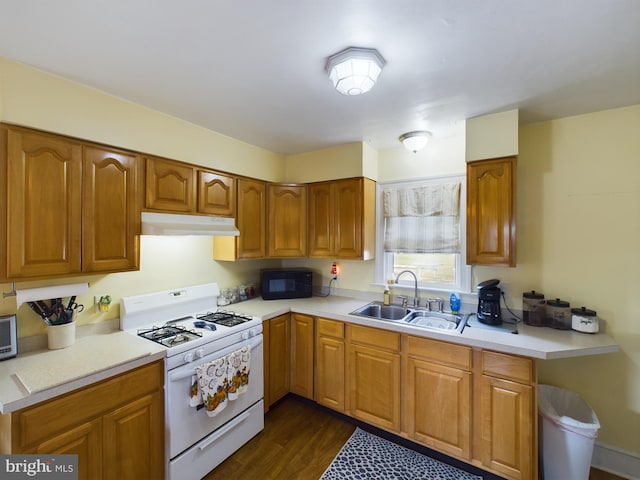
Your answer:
<point x="176" y="224"/>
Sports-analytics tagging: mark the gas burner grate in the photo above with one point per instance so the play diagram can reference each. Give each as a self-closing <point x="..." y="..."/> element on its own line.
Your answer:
<point x="169" y="335"/>
<point x="225" y="318"/>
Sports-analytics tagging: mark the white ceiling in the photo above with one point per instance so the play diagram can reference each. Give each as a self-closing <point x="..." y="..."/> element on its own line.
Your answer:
<point x="254" y="69"/>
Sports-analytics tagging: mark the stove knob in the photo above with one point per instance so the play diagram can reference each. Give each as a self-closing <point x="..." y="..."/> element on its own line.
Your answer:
<point x="200" y="353"/>
<point x="188" y="357"/>
<point x="244" y="335"/>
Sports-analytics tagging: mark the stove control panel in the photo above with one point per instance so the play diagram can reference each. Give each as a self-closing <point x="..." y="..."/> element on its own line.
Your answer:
<point x="252" y="332"/>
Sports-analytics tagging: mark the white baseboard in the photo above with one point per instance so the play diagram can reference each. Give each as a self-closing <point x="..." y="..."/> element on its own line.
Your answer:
<point x="614" y="460"/>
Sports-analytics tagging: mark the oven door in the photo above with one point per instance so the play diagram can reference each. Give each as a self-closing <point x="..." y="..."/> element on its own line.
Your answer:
<point x="186" y="424"/>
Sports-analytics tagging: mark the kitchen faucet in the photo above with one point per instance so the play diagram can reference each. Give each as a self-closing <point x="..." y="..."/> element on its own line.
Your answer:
<point x="415" y="280"/>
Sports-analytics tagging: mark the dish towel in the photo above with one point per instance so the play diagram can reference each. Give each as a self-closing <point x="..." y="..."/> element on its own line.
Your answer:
<point x="238" y="372"/>
<point x="195" y="398"/>
<point x="213" y="383"/>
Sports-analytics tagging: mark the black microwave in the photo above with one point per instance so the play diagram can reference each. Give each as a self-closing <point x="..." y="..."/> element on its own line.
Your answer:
<point x="278" y="284"/>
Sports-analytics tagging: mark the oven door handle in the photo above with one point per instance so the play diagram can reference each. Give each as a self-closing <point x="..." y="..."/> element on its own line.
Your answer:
<point x="181" y="374"/>
<point x="214" y="437"/>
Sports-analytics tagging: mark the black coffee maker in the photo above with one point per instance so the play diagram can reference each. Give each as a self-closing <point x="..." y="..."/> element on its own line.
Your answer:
<point x="489" y="302"/>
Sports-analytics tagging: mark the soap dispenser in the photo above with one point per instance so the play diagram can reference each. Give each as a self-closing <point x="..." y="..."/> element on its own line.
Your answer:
<point x="387" y="295"/>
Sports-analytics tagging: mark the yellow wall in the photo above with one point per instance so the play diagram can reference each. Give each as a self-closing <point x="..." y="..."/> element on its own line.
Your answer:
<point x="579" y="239"/>
<point x="35" y="99"/>
<point x="492" y="136"/>
<point x="342" y="161"/>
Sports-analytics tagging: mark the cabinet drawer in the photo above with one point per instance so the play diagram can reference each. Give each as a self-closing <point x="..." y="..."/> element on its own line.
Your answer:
<point x="42" y="421"/>
<point x="507" y="366"/>
<point x="374" y="337"/>
<point x="440" y="352"/>
<point x="330" y="328"/>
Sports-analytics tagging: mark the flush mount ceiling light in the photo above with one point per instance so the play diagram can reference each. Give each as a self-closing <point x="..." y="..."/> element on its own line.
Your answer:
<point x="354" y="71"/>
<point x="415" y="141"/>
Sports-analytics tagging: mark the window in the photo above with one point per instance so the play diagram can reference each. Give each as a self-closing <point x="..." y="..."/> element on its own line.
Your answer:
<point x="421" y="229"/>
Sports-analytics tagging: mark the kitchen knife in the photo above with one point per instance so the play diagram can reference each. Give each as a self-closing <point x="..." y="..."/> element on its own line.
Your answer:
<point x="39" y="311"/>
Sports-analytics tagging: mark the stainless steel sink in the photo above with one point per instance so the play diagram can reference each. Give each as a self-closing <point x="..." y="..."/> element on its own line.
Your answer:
<point x="439" y="321"/>
<point x="385" y="312"/>
<point x="436" y="320"/>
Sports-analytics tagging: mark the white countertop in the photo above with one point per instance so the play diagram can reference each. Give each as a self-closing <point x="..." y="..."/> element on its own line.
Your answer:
<point x="42" y="374"/>
<point x="103" y="351"/>
<point x="543" y="343"/>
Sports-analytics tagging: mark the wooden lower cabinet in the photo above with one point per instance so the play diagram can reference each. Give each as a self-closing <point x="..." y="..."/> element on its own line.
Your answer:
<point x="373" y="376"/>
<point x="279" y="357"/>
<point x="330" y="362"/>
<point x="85" y="441"/>
<point x="506" y="400"/>
<point x="116" y="427"/>
<point x="437" y="396"/>
<point x="302" y="341"/>
<point x="475" y="405"/>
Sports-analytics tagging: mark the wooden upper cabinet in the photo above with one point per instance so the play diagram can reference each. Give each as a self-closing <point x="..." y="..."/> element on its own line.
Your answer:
<point x="216" y="193"/>
<point x="250" y="220"/>
<point x="342" y="219"/>
<point x="44" y="188"/>
<point x="252" y="196"/>
<point x="170" y="186"/>
<point x="287" y="226"/>
<point x="111" y="211"/>
<point x="321" y="224"/>
<point x="491" y="216"/>
<point x="71" y="206"/>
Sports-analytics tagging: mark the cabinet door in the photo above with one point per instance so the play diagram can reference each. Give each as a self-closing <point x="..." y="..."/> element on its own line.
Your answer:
<point x="279" y="357"/>
<point x="216" y="193"/>
<point x="85" y="441"/>
<point x="43" y="205"/>
<point x="321" y="224"/>
<point x="491" y="219"/>
<point x="251" y="218"/>
<point x="373" y="385"/>
<point x="438" y="406"/>
<point x="170" y="186"/>
<point x="507" y="418"/>
<point x="348" y="218"/>
<point x="111" y="212"/>
<point x="302" y="341"/>
<point x="330" y="386"/>
<point x="287" y="225"/>
<point x="134" y="440"/>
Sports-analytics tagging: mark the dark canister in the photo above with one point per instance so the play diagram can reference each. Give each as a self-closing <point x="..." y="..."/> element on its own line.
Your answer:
<point x="559" y="314"/>
<point x="533" y="309"/>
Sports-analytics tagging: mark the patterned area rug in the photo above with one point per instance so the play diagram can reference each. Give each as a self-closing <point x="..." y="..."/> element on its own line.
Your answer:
<point x="368" y="457"/>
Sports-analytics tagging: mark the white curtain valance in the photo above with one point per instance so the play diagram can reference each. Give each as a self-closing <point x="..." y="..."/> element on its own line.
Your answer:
<point x="419" y="201"/>
<point x="422" y="219"/>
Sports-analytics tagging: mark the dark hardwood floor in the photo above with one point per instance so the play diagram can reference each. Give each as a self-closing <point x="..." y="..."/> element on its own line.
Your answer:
<point x="299" y="442"/>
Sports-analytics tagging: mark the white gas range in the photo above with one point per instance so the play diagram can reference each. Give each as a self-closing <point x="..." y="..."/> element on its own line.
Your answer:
<point x="188" y="322"/>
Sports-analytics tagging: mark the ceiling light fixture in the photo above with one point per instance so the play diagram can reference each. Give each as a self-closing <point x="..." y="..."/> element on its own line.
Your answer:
<point x="415" y="141"/>
<point x="354" y="71"/>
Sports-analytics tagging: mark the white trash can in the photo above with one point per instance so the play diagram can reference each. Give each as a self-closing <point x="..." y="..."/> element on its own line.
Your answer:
<point x="568" y="429"/>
